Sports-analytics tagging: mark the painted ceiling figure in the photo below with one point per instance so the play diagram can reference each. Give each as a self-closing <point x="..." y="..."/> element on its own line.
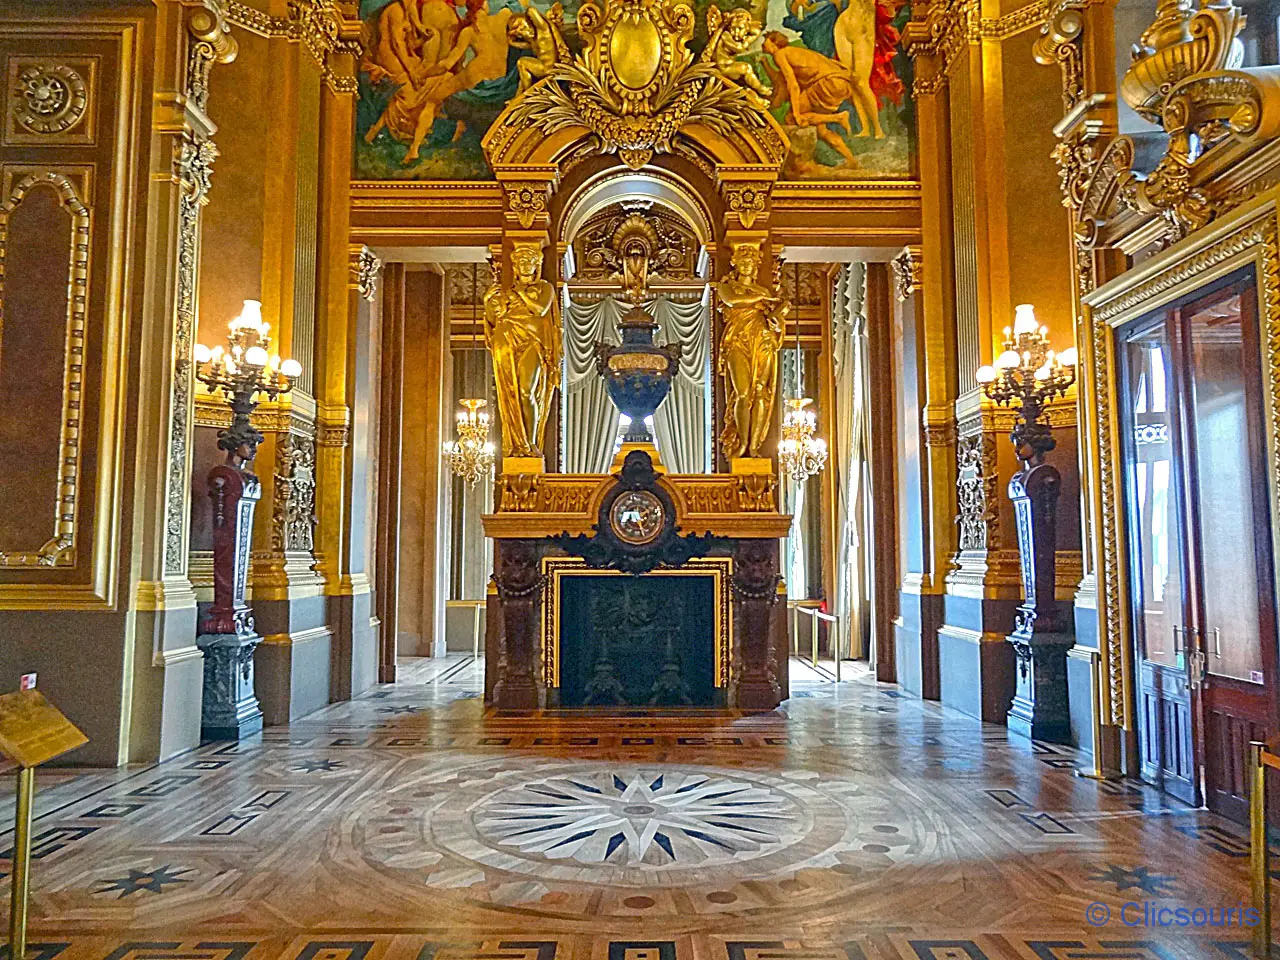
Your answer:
<point x="816" y="88"/>
<point x="753" y="330"/>
<point x="522" y="330"/>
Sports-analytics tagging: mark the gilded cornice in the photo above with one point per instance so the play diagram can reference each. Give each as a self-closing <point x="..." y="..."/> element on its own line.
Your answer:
<point x="948" y="27"/>
<point x="322" y="26"/>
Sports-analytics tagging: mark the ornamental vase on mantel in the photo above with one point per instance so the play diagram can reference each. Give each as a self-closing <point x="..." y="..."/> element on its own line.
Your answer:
<point x="637" y="373"/>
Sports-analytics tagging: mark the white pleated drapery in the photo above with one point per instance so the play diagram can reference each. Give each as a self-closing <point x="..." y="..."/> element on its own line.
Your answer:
<point x="681" y="425"/>
<point x="852" y="480"/>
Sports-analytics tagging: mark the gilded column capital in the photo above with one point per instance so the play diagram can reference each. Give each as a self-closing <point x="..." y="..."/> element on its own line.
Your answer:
<point x="747" y="192"/>
<point x="908" y="271"/>
<point x="365" y="268"/>
<point x="527" y="191"/>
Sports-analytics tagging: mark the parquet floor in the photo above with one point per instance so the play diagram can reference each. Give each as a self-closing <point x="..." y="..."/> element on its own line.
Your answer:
<point x="857" y="823"/>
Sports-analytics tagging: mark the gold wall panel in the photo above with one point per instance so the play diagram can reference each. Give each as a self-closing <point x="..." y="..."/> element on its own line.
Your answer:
<point x="45" y="238"/>
<point x="70" y="185"/>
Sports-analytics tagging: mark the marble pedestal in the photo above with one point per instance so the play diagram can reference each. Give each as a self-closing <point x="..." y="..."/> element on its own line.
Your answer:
<point x="1040" y="708"/>
<point x="230" y="708"/>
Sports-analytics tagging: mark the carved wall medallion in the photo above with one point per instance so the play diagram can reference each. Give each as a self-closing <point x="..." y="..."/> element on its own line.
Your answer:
<point x="50" y="100"/>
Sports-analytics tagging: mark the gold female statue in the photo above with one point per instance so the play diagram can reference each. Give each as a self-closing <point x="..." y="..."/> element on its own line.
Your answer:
<point x="522" y="329"/>
<point x="753" y="331"/>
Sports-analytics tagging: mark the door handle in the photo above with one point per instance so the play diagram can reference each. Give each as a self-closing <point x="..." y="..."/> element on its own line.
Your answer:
<point x="1197" y="672"/>
<point x="1217" y="643"/>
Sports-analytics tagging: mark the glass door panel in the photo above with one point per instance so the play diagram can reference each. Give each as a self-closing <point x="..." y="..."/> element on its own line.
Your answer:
<point x="1153" y="527"/>
<point x="1219" y="421"/>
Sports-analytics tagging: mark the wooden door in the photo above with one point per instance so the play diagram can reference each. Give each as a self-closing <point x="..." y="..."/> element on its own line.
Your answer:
<point x="1157" y="573"/>
<point x="1229" y="555"/>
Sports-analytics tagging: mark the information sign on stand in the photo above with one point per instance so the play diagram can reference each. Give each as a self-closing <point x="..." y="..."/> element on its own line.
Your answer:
<point x="32" y="731"/>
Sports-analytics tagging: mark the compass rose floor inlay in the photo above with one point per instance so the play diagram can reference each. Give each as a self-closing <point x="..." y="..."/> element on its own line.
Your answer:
<point x="856" y="823"/>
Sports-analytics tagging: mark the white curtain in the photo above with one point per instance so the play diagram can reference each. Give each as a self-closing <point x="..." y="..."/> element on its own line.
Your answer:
<point x="851" y="478"/>
<point x="590" y="424"/>
<point x="682" y="424"/>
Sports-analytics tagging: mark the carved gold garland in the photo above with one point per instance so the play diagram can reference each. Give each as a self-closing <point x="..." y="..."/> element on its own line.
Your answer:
<point x="193" y="156"/>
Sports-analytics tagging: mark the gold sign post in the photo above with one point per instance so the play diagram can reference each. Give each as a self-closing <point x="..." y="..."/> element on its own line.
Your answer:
<point x="32" y="731"/>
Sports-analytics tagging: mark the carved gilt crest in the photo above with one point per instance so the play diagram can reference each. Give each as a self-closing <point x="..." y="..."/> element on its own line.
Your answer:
<point x="635" y="83"/>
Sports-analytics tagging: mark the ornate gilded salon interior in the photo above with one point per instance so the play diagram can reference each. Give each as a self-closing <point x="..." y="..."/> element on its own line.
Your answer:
<point x="639" y="479"/>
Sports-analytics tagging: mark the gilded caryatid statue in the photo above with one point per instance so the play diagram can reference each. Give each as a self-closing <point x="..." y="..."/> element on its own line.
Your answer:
<point x="753" y="331"/>
<point x="522" y="330"/>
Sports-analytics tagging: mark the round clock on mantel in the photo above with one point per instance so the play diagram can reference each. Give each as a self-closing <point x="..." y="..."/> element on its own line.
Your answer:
<point x="636" y="517"/>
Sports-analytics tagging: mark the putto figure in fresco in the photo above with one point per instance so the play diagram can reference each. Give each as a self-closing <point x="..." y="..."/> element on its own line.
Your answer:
<point x="729" y="35"/>
<point x="753" y="331"/>
<point x="522" y="330"/>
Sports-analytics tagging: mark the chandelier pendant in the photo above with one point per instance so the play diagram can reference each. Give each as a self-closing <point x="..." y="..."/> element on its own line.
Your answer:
<point x="470" y="456"/>
<point x="800" y="454"/>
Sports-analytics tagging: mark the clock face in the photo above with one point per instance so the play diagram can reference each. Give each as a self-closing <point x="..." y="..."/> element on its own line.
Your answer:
<point x="636" y="517"/>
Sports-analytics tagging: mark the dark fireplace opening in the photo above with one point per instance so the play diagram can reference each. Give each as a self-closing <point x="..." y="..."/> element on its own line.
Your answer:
<point x="637" y="641"/>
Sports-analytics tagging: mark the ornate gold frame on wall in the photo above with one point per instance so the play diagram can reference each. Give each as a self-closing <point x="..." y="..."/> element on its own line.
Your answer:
<point x="1248" y="236"/>
<point x="556" y="568"/>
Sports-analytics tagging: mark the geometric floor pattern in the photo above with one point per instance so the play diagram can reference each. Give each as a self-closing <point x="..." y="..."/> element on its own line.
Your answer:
<point x="856" y="823"/>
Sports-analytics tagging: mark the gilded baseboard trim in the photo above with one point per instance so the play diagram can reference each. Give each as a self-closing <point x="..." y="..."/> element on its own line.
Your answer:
<point x="297" y="639"/>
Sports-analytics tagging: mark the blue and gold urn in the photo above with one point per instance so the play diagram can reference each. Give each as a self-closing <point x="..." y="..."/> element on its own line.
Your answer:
<point x="637" y="373"/>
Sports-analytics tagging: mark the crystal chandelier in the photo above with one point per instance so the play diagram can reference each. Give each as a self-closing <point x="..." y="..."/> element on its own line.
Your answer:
<point x="243" y="370"/>
<point x="470" y="456"/>
<point x="801" y="455"/>
<point x="1027" y="375"/>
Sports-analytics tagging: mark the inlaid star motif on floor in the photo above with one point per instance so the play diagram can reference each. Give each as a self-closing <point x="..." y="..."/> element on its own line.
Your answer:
<point x="397" y="709"/>
<point x="316" y="766"/>
<point x="150" y="880"/>
<point x="634" y="817"/>
<point x="1140" y="878"/>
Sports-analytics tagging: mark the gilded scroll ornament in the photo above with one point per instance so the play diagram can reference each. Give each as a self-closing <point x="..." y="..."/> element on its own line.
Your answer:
<point x="754" y="316"/>
<point x="746" y="198"/>
<point x="527" y="199"/>
<point x="522" y="330"/>
<point x="635" y="85"/>
<point x="50" y="98"/>
<point x="1181" y="44"/>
